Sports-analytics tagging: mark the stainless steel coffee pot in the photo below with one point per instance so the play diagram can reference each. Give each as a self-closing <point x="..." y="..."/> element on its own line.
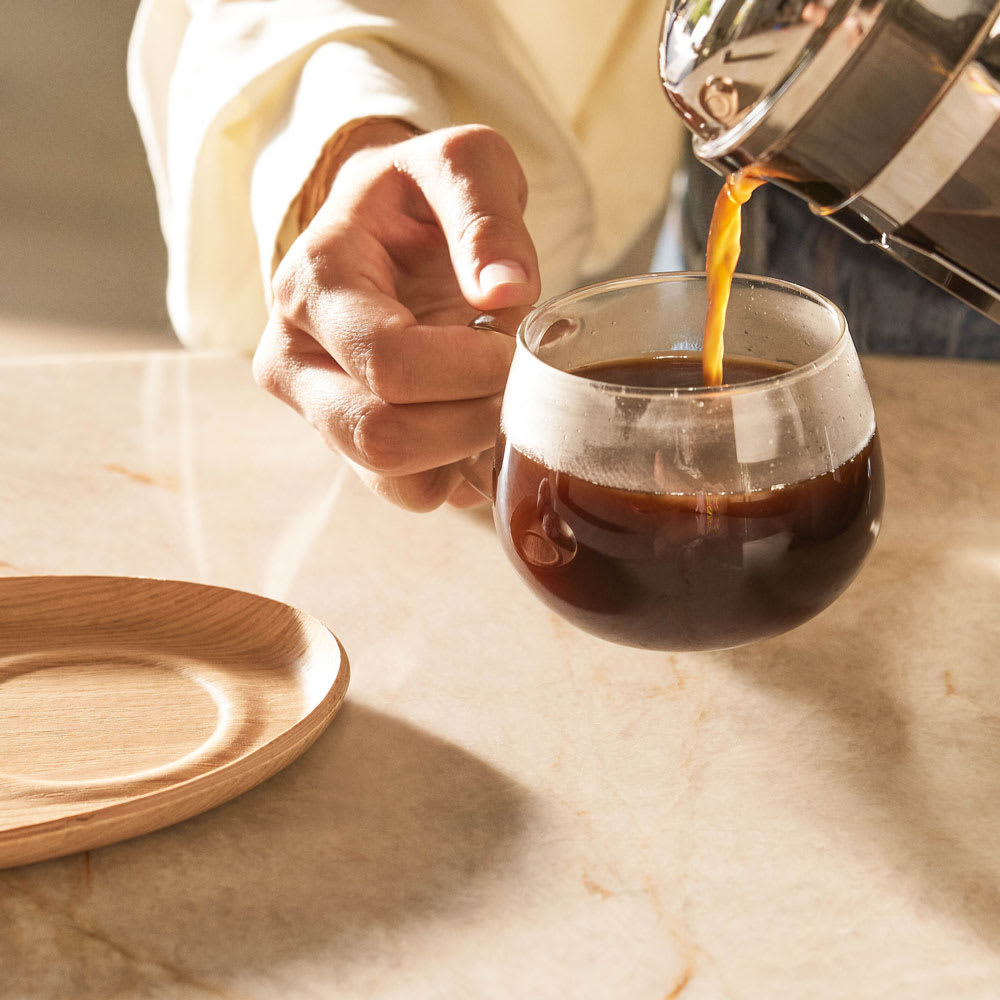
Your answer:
<point x="884" y="115"/>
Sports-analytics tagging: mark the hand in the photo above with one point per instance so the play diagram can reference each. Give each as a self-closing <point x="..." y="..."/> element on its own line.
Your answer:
<point x="368" y="337"/>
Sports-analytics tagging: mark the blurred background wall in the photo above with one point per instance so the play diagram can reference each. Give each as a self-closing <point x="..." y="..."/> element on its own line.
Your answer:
<point x="81" y="256"/>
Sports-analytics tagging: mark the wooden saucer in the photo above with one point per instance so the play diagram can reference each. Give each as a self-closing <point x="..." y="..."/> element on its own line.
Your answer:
<point x="129" y="704"/>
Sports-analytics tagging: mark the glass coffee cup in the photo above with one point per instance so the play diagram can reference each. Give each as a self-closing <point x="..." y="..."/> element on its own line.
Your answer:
<point x="650" y="510"/>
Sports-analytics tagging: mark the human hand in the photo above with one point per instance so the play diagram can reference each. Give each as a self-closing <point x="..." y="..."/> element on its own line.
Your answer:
<point x="369" y="337"/>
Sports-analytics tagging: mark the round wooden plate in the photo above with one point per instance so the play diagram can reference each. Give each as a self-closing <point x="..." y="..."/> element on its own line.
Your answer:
<point x="129" y="704"/>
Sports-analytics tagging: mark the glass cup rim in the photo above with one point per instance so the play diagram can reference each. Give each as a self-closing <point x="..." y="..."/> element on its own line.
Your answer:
<point x="791" y="375"/>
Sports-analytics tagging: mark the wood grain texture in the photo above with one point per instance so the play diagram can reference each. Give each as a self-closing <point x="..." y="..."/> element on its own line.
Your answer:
<point x="128" y="704"/>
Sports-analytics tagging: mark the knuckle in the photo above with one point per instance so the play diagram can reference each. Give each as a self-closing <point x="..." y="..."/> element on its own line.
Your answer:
<point x="264" y="370"/>
<point x="419" y="492"/>
<point x="378" y="439"/>
<point x="459" y="140"/>
<point x="480" y="227"/>
<point x="486" y="229"/>
<point x="297" y="280"/>
<point x="424" y="492"/>
<point x="464" y="147"/>
<point x="284" y="284"/>
<point x="385" y="370"/>
<point x="268" y="363"/>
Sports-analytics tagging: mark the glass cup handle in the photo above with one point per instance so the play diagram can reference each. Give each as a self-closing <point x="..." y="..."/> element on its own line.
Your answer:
<point x="477" y="470"/>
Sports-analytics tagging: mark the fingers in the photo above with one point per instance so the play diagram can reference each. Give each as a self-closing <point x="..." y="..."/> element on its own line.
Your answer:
<point x="422" y="491"/>
<point x="327" y="286"/>
<point x="388" y="439"/>
<point x="478" y="192"/>
<point x="381" y="345"/>
<point x="423" y="364"/>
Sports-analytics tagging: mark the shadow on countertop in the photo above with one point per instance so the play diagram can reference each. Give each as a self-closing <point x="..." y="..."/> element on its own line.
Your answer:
<point x="378" y="826"/>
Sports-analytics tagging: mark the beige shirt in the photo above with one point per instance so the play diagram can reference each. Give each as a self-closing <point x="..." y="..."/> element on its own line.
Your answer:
<point x="235" y="100"/>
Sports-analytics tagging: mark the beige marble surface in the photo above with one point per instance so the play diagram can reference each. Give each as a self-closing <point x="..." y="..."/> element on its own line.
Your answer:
<point x="504" y="807"/>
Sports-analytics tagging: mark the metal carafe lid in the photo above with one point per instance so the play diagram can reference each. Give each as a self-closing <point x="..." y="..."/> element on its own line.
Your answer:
<point x="724" y="64"/>
<point x="812" y="83"/>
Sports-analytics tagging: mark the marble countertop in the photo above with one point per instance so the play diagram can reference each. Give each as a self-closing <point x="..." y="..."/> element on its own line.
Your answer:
<point x="505" y="807"/>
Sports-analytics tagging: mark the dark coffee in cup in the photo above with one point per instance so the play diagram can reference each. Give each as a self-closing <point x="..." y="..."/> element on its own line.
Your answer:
<point x="686" y="571"/>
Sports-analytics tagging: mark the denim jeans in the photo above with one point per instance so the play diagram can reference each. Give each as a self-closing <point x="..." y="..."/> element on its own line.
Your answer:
<point x="890" y="309"/>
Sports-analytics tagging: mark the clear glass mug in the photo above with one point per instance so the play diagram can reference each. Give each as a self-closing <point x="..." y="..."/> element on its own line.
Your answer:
<point x="686" y="518"/>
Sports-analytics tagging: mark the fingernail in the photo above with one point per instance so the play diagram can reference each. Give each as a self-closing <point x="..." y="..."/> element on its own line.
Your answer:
<point x="502" y="272"/>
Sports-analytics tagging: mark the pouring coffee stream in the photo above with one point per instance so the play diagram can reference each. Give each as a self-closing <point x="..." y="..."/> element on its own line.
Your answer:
<point x="720" y="265"/>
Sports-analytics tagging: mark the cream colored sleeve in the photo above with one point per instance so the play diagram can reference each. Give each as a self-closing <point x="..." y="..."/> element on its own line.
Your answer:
<point x="234" y="115"/>
<point x="235" y="101"/>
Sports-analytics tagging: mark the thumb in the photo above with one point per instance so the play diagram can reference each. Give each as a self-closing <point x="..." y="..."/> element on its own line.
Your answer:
<point x="477" y="191"/>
